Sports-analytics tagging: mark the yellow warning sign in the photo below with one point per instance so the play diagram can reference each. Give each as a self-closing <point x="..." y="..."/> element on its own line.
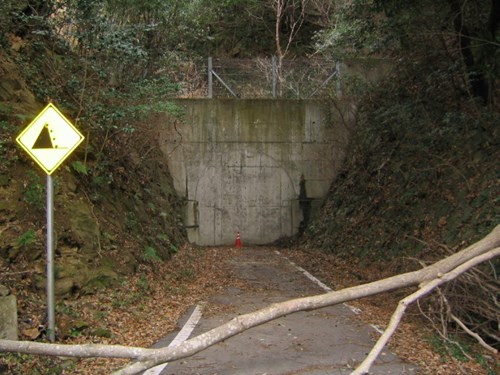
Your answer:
<point x="50" y="138"/>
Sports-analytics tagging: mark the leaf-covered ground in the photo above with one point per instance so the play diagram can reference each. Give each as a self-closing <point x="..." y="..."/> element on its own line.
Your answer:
<point x="138" y="312"/>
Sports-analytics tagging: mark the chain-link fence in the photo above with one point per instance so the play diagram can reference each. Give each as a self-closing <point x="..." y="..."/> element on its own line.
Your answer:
<point x="258" y="78"/>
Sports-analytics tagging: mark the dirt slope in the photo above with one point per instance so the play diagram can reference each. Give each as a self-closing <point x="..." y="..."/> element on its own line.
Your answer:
<point x="114" y="208"/>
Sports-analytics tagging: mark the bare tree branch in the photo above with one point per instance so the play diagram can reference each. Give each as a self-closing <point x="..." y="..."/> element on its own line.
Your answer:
<point x="473" y="334"/>
<point x="425" y="289"/>
<point x="281" y="8"/>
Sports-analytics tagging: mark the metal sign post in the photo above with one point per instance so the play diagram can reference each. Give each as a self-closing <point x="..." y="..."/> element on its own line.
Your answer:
<point x="51" y="320"/>
<point x="49" y="140"/>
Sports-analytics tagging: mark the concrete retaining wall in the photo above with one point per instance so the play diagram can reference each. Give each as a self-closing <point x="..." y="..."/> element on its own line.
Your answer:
<point x="239" y="164"/>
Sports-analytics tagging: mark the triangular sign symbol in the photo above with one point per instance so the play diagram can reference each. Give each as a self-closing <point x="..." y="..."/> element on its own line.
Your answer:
<point x="43" y="140"/>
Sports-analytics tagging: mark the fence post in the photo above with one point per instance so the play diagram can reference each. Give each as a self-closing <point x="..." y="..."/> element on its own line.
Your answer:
<point x="274" y="74"/>
<point x="210" y="78"/>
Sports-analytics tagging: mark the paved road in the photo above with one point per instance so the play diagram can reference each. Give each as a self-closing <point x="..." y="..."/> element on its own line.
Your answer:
<point x="327" y="341"/>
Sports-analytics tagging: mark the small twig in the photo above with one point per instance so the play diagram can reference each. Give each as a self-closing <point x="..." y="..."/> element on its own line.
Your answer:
<point x="494" y="337"/>
<point x="473" y="334"/>
<point x="381" y="166"/>
<point x="18" y="273"/>
<point x="99" y="249"/>
<point x="444" y="247"/>
<point x="444" y="305"/>
<point x="457" y="344"/>
<point x="431" y="321"/>
<point x="493" y="270"/>
<point x="447" y="163"/>
<point x="143" y="156"/>
<point x="4" y="229"/>
<point x="419" y="240"/>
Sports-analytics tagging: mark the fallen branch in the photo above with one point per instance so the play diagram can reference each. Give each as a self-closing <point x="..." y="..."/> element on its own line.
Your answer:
<point x="148" y="358"/>
<point x="474" y="335"/>
<point x="364" y="367"/>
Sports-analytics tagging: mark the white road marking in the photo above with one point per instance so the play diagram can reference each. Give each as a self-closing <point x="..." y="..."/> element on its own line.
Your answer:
<point x="326" y="288"/>
<point x="323" y="286"/>
<point x="377" y="328"/>
<point x="314" y="279"/>
<point x="355" y="310"/>
<point x="182" y="336"/>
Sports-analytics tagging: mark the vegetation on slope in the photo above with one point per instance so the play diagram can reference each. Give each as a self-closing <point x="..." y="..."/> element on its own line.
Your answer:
<point x="115" y="202"/>
<point x="106" y="65"/>
<point x="422" y="169"/>
<point x="422" y="173"/>
<point x="421" y="180"/>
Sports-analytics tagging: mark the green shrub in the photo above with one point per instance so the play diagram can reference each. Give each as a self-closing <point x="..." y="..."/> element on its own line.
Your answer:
<point x="150" y="254"/>
<point x="27" y="238"/>
<point x="34" y="190"/>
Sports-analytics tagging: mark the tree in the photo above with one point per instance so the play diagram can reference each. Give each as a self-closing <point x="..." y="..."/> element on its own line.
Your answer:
<point x="436" y="33"/>
<point x="427" y="279"/>
<point x="481" y="37"/>
<point x="289" y="17"/>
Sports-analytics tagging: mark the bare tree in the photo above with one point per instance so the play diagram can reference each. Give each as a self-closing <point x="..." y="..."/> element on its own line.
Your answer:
<point x="291" y="12"/>
<point x="427" y="279"/>
<point x="323" y="11"/>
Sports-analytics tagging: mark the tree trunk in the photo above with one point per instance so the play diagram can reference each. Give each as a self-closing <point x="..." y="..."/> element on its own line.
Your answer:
<point x="478" y="82"/>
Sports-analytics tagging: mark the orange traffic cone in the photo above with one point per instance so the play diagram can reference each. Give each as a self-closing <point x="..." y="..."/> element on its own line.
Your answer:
<point x="238" y="240"/>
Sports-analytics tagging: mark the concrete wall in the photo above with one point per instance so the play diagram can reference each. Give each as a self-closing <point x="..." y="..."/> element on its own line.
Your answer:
<point x="239" y="163"/>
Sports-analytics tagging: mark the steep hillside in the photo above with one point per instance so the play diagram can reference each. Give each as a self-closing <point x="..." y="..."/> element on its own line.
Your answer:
<point x="421" y="183"/>
<point x="420" y="177"/>
<point x="115" y="206"/>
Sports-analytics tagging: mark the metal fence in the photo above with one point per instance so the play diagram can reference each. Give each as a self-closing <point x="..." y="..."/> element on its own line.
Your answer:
<point x="259" y="78"/>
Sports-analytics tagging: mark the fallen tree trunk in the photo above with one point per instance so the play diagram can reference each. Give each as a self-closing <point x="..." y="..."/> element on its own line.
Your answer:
<point x="487" y="248"/>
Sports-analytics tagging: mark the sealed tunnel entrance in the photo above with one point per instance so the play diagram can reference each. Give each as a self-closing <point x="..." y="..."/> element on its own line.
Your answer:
<point x="239" y="164"/>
